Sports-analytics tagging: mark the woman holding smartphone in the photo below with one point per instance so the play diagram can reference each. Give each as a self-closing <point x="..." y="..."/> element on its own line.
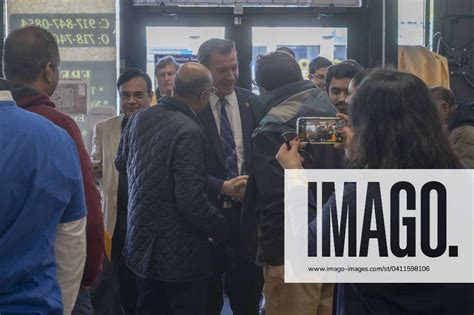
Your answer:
<point x="393" y="124"/>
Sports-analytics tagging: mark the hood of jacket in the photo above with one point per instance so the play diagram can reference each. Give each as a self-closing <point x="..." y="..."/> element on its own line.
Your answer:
<point x="261" y="104"/>
<point x="25" y="96"/>
<point x="279" y="109"/>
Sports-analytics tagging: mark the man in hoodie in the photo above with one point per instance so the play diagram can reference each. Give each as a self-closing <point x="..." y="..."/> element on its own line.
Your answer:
<point x="286" y="96"/>
<point x="31" y="60"/>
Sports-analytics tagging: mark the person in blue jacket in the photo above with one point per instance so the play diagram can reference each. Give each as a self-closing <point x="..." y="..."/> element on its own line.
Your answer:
<point x="42" y="211"/>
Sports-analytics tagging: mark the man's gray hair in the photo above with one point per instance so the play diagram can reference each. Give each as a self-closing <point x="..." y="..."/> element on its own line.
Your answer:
<point x="164" y="62"/>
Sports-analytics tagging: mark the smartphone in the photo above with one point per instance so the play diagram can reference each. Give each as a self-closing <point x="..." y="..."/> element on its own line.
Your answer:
<point x="320" y="130"/>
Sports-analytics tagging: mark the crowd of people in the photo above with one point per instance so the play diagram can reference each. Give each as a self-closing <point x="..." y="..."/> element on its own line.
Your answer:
<point x="189" y="206"/>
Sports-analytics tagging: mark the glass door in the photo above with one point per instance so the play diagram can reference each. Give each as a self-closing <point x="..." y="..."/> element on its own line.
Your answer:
<point x="307" y="43"/>
<point x="176" y="41"/>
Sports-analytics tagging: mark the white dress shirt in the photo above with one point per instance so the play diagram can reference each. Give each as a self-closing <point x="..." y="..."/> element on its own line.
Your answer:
<point x="233" y="113"/>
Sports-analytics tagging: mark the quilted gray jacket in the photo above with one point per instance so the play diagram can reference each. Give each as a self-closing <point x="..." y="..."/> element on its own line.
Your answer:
<point x="169" y="217"/>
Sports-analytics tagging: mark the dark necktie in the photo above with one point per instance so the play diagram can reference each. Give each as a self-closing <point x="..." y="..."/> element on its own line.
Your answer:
<point x="228" y="143"/>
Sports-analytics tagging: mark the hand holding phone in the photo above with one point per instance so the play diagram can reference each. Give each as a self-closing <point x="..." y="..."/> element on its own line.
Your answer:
<point x="287" y="137"/>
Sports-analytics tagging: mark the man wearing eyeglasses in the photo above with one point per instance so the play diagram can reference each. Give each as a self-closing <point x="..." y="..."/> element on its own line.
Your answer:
<point x="318" y="68"/>
<point x="135" y="90"/>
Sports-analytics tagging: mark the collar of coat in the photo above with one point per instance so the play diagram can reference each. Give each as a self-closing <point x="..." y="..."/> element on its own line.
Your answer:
<point x="171" y="103"/>
<point x="278" y="110"/>
<point x="262" y="104"/>
<point x="25" y="96"/>
<point x="464" y="115"/>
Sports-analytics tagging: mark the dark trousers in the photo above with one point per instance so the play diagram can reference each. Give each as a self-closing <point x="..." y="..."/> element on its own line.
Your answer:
<point x="126" y="279"/>
<point x="105" y="293"/>
<point x="242" y="282"/>
<point x="157" y="297"/>
<point x="83" y="304"/>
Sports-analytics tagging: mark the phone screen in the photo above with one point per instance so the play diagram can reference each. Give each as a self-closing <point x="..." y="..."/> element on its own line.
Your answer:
<point x="320" y="130"/>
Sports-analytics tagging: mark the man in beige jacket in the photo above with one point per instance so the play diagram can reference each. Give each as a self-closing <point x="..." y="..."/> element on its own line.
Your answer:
<point x="104" y="149"/>
<point x="136" y="92"/>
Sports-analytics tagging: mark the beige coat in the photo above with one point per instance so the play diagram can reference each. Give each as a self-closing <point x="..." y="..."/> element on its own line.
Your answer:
<point x="462" y="139"/>
<point x="432" y="68"/>
<point x="104" y="149"/>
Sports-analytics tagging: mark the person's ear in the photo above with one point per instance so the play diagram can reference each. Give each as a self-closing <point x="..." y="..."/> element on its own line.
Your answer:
<point x="444" y="108"/>
<point x="204" y="97"/>
<point x="50" y="72"/>
<point x="150" y="94"/>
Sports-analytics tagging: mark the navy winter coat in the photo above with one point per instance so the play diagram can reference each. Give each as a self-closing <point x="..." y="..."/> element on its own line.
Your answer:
<point x="169" y="217"/>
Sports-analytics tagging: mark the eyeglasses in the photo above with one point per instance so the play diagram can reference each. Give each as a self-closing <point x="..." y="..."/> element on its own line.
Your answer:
<point x="319" y="76"/>
<point x="126" y="96"/>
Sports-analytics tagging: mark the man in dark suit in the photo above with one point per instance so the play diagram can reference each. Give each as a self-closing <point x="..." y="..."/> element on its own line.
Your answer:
<point x="228" y="125"/>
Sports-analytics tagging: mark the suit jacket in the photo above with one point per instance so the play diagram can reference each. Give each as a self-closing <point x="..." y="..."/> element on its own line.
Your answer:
<point x="215" y="158"/>
<point x="104" y="150"/>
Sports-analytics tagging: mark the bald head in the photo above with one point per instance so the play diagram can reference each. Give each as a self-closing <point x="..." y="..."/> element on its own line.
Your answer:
<point x="191" y="79"/>
<point x="193" y="84"/>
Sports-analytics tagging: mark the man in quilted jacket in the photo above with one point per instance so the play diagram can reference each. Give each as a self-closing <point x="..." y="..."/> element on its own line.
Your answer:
<point x="170" y="221"/>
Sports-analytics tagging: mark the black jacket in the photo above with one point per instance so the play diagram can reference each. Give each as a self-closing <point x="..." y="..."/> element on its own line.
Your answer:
<point x="170" y="219"/>
<point x="276" y="112"/>
<point x="394" y="298"/>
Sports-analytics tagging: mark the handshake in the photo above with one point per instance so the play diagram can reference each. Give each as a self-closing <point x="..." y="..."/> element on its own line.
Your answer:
<point x="235" y="188"/>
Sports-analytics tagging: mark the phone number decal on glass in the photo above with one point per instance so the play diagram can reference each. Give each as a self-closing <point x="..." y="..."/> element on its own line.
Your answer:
<point x="82" y="39"/>
<point x="72" y="30"/>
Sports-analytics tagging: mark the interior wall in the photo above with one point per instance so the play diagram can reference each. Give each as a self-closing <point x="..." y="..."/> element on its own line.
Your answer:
<point x="454" y="20"/>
